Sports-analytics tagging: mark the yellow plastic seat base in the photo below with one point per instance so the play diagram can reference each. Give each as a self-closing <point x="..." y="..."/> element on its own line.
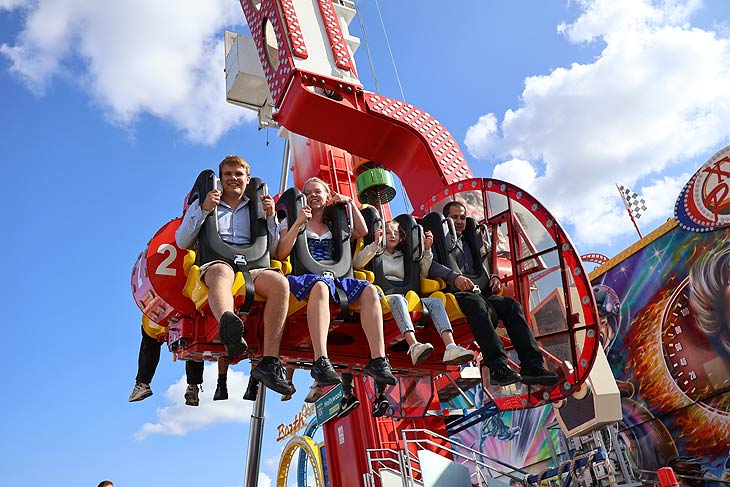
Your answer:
<point x="453" y="310"/>
<point x="152" y="329"/>
<point x="197" y="291"/>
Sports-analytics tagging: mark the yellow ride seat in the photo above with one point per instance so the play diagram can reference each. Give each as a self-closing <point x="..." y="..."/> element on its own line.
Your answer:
<point x="413" y="300"/>
<point x="152" y="329"/>
<point x="363" y="275"/>
<point x="452" y="307"/>
<point x="197" y="291"/>
<point x="429" y="286"/>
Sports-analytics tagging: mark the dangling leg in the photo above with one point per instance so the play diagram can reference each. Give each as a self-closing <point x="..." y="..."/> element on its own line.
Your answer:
<point x="371" y="317"/>
<point x="454" y="354"/>
<point x="318" y="320"/>
<point x="419" y="352"/>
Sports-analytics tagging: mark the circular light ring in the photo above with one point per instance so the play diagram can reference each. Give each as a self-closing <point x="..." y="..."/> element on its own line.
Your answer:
<point x="572" y="262"/>
<point x="307" y="445"/>
<point x="704" y="202"/>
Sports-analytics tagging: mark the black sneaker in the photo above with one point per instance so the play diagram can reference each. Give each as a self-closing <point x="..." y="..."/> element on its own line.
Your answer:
<point x="271" y="374"/>
<point x="221" y="392"/>
<point x="252" y="390"/>
<point x="191" y="395"/>
<point x="502" y="375"/>
<point x="348" y="405"/>
<point x="323" y="372"/>
<point x="538" y="374"/>
<point x="380" y="406"/>
<point x="347" y="379"/>
<point x="230" y="332"/>
<point x="379" y="369"/>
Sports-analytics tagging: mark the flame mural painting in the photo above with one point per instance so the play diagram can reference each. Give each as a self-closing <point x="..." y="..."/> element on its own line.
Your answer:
<point x="664" y="308"/>
<point x="670" y="352"/>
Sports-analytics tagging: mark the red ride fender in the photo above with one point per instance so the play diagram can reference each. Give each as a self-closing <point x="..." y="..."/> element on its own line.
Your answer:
<point x="158" y="278"/>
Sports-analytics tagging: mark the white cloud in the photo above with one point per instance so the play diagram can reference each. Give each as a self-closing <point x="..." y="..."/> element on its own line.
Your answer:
<point x="658" y="205"/>
<point x="655" y="98"/>
<point x="179" y="419"/>
<point x="516" y="171"/>
<point x="310" y="481"/>
<point x="614" y="220"/>
<point x="163" y="58"/>
<point x="478" y="134"/>
<point x="13" y="4"/>
<point x="604" y="18"/>
<point x="272" y="463"/>
<point x="264" y="480"/>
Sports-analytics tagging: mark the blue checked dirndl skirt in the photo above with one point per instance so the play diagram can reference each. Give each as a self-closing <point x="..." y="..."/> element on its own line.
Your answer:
<point x="301" y="285"/>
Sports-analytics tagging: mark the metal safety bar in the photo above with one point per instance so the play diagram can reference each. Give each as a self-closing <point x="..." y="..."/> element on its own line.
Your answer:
<point x="376" y="463"/>
<point x="477" y="458"/>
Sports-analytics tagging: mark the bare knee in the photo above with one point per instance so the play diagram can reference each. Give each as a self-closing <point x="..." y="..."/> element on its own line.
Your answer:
<point x="319" y="290"/>
<point x="272" y="285"/>
<point x="218" y="274"/>
<point x="370" y="297"/>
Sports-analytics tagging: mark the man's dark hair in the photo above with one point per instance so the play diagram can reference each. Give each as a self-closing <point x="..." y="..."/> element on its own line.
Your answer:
<point x="451" y="204"/>
<point x="106" y="483"/>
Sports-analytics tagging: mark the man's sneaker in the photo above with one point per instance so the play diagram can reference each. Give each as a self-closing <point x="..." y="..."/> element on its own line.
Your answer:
<point x="140" y="391"/>
<point x="191" y="395"/>
<point x="348" y="405"/>
<point x="457" y="355"/>
<point x="252" y="390"/>
<point x="315" y="392"/>
<point x="380" y="406"/>
<point x="538" y="374"/>
<point x="347" y="387"/>
<point x="271" y="374"/>
<point x="323" y="372"/>
<point x="230" y="332"/>
<point x="379" y="369"/>
<point x="502" y="375"/>
<point x="221" y="392"/>
<point x="419" y="352"/>
<point x="292" y="390"/>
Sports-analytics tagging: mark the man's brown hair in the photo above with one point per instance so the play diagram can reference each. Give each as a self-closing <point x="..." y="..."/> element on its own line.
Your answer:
<point x="234" y="161"/>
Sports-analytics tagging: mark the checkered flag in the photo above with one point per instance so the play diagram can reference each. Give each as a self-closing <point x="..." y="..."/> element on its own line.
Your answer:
<point x="634" y="204"/>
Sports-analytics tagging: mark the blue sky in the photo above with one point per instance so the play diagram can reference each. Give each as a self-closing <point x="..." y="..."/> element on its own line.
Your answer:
<point x="109" y="112"/>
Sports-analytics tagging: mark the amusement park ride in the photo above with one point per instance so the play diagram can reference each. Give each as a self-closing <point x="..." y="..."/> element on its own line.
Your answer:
<point x="298" y="73"/>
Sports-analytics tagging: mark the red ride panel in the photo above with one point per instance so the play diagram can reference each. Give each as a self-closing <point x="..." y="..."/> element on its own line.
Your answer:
<point x="347" y="438"/>
<point x="158" y="278"/>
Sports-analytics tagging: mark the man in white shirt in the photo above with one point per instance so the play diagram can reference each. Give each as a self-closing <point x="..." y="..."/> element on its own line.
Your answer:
<point x="234" y="228"/>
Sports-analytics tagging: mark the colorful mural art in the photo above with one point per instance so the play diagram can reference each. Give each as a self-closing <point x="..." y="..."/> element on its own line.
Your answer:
<point x="664" y="305"/>
<point x="518" y="438"/>
<point x="671" y="353"/>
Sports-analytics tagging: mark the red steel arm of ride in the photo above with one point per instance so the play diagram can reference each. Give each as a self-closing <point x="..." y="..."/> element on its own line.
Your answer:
<point x="395" y="134"/>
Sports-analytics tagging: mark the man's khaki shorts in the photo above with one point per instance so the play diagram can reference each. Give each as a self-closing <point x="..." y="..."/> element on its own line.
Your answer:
<point x="254" y="272"/>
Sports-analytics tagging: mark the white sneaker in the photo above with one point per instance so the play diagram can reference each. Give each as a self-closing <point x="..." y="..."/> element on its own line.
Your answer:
<point x="140" y="391"/>
<point x="458" y="355"/>
<point x="420" y="352"/>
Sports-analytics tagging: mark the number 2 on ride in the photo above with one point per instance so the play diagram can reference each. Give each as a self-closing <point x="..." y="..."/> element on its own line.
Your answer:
<point x="164" y="268"/>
